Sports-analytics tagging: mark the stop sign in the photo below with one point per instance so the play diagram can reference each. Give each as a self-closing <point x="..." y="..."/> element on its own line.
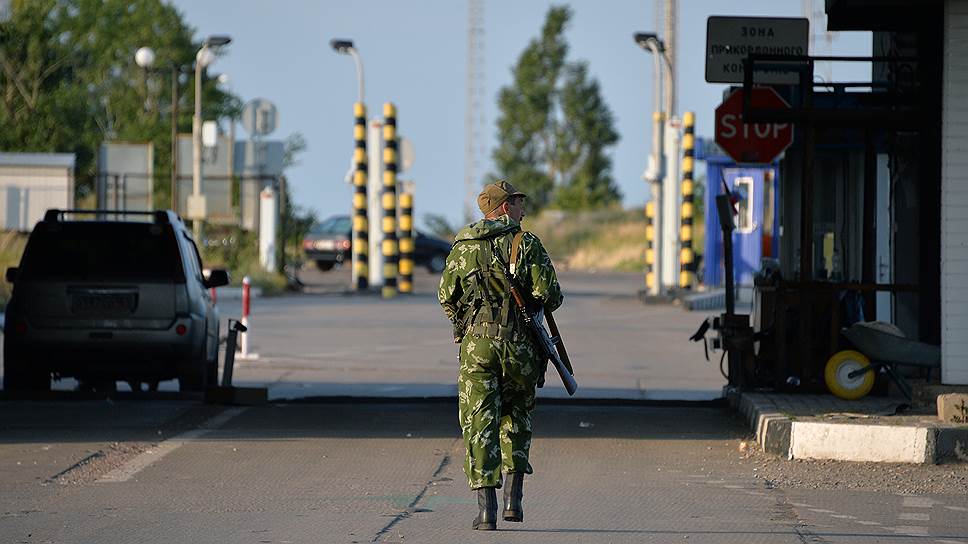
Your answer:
<point x="757" y="143"/>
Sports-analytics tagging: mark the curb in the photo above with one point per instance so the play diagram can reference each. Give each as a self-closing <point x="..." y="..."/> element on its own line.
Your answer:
<point x="779" y="434"/>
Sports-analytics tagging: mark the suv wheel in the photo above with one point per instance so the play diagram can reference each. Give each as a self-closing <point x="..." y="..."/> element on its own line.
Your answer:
<point x="18" y="376"/>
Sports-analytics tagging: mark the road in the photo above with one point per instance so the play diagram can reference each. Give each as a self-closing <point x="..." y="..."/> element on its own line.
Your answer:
<point x="314" y="466"/>
<point x="326" y="343"/>
<point x="390" y="472"/>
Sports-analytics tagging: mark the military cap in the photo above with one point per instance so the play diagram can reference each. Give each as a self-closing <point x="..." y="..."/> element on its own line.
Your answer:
<point x="494" y="194"/>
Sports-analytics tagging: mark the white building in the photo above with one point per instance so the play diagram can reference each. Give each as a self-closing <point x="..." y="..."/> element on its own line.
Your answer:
<point x="30" y="184"/>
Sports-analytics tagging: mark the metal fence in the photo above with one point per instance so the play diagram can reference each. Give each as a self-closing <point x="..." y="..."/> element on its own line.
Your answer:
<point x="230" y="200"/>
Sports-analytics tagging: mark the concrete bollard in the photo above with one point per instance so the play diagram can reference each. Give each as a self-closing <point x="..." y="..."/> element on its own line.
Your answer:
<point x="244" y="354"/>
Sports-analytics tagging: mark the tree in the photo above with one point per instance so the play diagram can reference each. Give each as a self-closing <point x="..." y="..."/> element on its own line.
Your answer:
<point x="554" y="126"/>
<point x="69" y="80"/>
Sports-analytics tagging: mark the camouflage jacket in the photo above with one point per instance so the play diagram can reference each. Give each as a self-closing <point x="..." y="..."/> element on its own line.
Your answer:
<point x="474" y="287"/>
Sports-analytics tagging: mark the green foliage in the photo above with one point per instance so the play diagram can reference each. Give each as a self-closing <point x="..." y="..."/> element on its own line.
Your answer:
<point x="439" y="226"/>
<point x="12" y="244"/>
<point x="70" y="81"/>
<point x="296" y="220"/>
<point x="554" y="127"/>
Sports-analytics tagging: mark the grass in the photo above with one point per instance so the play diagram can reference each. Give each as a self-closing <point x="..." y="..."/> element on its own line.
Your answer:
<point x="612" y="239"/>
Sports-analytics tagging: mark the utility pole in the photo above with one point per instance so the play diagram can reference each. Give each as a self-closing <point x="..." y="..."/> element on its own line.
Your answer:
<point x="668" y="229"/>
<point x="475" y="147"/>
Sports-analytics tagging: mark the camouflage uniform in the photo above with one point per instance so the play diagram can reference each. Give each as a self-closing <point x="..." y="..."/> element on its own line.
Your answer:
<point x="499" y="363"/>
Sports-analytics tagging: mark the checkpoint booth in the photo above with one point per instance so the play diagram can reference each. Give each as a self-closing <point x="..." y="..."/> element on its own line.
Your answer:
<point x="757" y="193"/>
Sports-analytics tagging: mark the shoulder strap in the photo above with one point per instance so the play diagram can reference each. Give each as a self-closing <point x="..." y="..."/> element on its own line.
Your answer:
<point x="515" y="246"/>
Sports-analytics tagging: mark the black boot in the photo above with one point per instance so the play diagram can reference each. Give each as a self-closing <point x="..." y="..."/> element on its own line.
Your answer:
<point x="513" y="491"/>
<point x="486" y="519"/>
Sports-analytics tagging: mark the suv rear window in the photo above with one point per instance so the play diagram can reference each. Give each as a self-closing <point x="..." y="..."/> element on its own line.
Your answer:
<point x="102" y="251"/>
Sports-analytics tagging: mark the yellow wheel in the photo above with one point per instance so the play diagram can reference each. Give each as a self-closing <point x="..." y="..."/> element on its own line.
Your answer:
<point x="837" y="375"/>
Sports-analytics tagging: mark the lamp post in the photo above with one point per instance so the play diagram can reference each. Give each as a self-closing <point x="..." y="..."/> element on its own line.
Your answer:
<point x="346" y="47"/>
<point x="145" y="58"/>
<point x="196" y="203"/>
<point x="657" y="170"/>
<point x="360" y="277"/>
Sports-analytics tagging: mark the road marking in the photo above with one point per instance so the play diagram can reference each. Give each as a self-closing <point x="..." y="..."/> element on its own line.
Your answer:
<point x="911" y="530"/>
<point x="914" y="516"/>
<point x="871" y="523"/>
<point x="943" y="541"/>
<point x="957" y="508"/>
<point x="802" y="504"/>
<point x="821" y="511"/>
<point x="842" y="516"/>
<point x="919" y="502"/>
<point x="128" y="470"/>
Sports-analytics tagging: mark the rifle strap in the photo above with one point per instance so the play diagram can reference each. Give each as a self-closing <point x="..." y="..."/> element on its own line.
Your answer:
<point x="515" y="247"/>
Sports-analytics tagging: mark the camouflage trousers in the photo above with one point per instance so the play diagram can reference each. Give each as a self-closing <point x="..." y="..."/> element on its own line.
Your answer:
<point x="496" y="390"/>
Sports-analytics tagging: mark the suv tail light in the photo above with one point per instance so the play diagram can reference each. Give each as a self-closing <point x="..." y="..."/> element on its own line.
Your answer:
<point x="20" y="327"/>
<point x="181" y="329"/>
<point x="345" y="244"/>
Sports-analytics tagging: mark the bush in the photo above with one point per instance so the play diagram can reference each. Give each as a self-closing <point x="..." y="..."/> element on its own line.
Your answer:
<point x="11" y="249"/>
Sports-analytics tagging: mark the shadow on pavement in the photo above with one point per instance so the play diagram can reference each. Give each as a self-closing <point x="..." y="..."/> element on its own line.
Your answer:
<point x="96" y="421"/>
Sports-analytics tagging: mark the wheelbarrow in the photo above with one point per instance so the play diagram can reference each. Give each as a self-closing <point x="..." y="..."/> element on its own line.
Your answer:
<point x="879" y="348"/>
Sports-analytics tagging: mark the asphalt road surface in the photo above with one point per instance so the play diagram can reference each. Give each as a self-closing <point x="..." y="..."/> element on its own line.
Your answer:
<point x="327" y="342"/>
<point x="162" y="472"/>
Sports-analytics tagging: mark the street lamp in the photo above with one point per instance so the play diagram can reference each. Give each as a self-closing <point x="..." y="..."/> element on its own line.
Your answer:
<point x="657" y="169"/>
<point x="360" y="204"/>
<point x="145" y="58"/>
<point x="346" y="47"/>
<point x="196" y="203"/>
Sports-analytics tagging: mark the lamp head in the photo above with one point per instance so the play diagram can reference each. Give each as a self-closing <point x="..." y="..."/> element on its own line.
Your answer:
<point x="647" y="40"/>
<point x="217" y="40"/>
<point x="144" y="57"/>
<point x="341" y="46"/>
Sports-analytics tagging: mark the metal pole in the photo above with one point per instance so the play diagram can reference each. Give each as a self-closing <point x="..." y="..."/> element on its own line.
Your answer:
<point x="197" y="145"/>
<point x="669" y="38"/>
<point x="686" y="255"/>
<point x="658" y="144"/>
<point x="359" y="73"/>
<point x="406" y="242"/>
<point x="361" y="237"/>
<point x="389" y="246"/>
<point x="174" y="137"/>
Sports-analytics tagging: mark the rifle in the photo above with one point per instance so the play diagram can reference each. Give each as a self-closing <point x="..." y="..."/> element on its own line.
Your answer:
<point x="552" y="348"/>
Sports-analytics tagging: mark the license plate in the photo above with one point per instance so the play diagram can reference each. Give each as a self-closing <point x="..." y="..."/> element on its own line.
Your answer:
<point x="102" y="304"/>
<point x="325" y="244"/>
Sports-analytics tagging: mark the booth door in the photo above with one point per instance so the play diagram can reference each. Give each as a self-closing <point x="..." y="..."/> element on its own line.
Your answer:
<point x="746" y="184"/>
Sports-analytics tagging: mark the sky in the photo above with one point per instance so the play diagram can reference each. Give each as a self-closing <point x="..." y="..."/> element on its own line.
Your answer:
<point x="413" y="55"/>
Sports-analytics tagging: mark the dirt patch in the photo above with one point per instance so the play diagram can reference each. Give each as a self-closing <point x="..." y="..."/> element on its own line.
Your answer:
<point x="950" y="478"/>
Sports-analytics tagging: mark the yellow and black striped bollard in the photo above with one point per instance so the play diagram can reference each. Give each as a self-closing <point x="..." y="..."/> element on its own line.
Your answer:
<point x="650" y="245"/>
<point x="687" y="257"/>
<point x="406" y="242"/>
<point x="390" y="253"/>
<point x="361" y="227"/>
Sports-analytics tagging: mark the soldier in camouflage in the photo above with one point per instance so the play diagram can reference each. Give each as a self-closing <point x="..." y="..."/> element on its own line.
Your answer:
<point x="499" y="363"/>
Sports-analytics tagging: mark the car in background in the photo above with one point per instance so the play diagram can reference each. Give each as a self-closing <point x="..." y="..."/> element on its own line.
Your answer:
<point x="330" y="242"/>
<point x="108" y="296"/>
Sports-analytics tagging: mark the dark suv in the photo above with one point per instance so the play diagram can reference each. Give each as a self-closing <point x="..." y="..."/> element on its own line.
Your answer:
<point x="109" y="296"/>
<point x="330" y="243"/>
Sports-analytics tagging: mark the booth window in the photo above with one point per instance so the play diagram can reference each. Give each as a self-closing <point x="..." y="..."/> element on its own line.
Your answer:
<point x="743" y="191"/>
